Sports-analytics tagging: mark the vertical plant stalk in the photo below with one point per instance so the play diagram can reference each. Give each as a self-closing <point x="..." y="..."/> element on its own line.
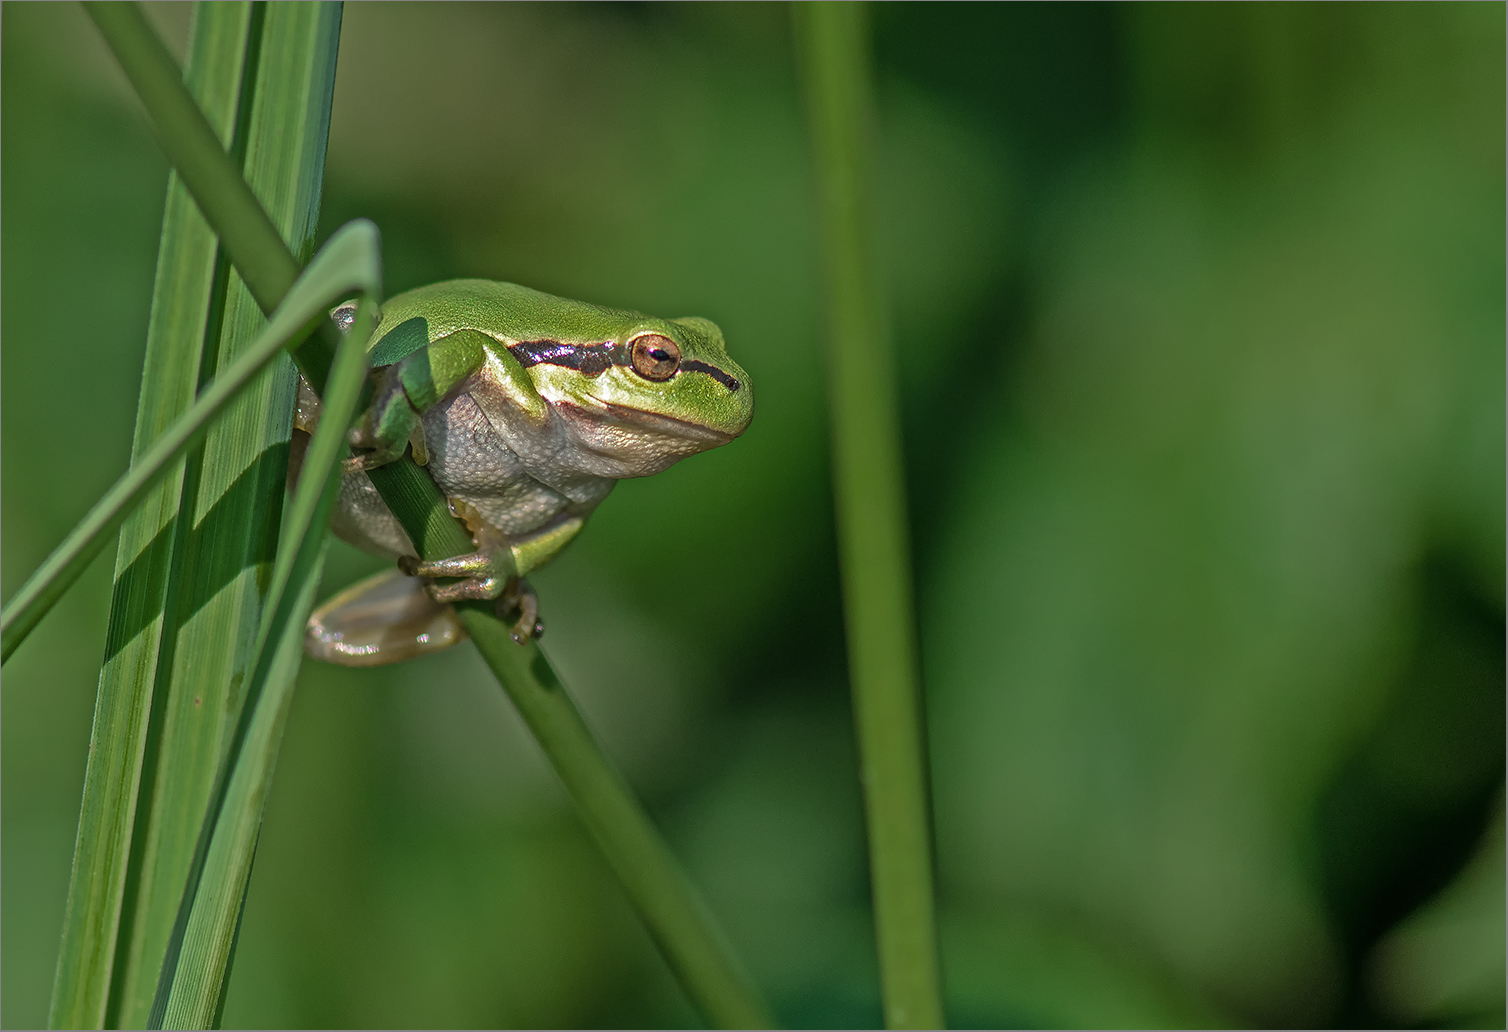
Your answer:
<point x="873" y="540"/>
<point x="675" y="916"/>
<point x="239" y="504"/>
<point x="148" y="555"/>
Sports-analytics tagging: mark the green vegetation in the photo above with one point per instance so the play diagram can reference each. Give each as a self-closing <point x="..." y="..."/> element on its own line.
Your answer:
<point x="1197" y="316"/>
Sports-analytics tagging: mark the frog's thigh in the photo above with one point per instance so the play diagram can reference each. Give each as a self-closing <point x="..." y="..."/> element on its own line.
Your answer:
<point x="383" y="619"/>
<point x="410" y="387"/>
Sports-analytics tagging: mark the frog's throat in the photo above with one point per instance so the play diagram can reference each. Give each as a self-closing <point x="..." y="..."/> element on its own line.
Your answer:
<point x="593" y="360"/>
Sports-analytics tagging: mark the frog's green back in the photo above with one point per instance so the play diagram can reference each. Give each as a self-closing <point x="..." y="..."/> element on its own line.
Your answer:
<point x="500" y="309"/>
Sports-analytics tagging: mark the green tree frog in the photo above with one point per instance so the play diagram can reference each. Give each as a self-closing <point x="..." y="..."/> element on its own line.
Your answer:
<point x="526" y="409"/>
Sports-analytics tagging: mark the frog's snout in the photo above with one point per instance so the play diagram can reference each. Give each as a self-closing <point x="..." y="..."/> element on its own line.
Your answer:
<point x="736" y="411"/>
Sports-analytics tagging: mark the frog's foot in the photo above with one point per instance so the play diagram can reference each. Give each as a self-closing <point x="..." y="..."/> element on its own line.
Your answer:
<point x="472" y="589"/>
<point x="480" y="577"/>
<point x="383" y="619"/>
<point x="486" y="573"/>
<point x="376" y="452"/>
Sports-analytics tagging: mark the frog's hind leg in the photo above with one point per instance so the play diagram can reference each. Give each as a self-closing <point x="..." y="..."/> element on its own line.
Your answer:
<point x="383" y="619"/>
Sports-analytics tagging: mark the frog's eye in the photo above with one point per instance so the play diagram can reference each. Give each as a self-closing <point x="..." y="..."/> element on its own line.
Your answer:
<point x="655" y="357"/>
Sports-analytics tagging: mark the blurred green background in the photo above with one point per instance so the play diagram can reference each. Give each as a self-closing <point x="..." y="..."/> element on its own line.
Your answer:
<point x="1199" y="314"/>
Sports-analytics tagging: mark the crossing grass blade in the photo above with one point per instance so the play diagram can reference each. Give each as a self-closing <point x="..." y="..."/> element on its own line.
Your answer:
<point x="189" y="285"/>
<point x="293" y="322"/>
<point x="62" y="568"/>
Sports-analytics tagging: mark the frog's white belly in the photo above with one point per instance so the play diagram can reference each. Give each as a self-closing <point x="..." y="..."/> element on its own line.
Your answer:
<point x="471" y="462"/>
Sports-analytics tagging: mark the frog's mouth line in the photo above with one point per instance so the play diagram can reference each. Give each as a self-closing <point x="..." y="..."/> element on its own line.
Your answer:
<point x="667" y="425"/>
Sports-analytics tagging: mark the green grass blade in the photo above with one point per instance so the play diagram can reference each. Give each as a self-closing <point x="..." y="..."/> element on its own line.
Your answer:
<point x="191" y="985"/>
<point x="869" y="492"/>
<point x="678" y="922"/>
<point x="184" y="313"/>
<point x="229" y="559"/>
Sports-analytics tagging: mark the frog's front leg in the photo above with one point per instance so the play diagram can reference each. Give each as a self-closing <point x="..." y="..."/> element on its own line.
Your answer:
<point x="406" y="390"/>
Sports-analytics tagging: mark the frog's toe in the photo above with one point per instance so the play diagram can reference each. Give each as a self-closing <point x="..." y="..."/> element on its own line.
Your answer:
<point x="383" y="619"/>
<point x="472" y="588"/>
<point x="519" y="598"/>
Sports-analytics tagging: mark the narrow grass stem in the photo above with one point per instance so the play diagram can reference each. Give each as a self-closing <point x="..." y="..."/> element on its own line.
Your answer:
<point x="658" y="888"/>
<point x="671" y="908"/>
<point x="869" y="492"/>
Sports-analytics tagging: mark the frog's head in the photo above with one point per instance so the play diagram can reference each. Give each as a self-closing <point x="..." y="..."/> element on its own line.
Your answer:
<point x="645" y="396"/>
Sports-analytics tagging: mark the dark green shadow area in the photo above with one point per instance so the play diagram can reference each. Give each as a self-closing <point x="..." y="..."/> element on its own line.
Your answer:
<point x="207" y="567"/>
<point x="401" y="341"/>
<point x="1406" y="811"/>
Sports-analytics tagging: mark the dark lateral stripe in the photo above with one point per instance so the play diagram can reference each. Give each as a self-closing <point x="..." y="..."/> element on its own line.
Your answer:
<point x="594" y="359"/>
<point x="692" y="365"/>
<point x="586" y="359"/>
